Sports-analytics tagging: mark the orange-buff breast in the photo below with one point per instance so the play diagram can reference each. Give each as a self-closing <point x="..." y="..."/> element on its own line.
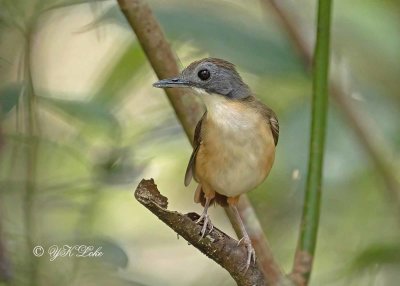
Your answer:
<point x="237" y="149"/>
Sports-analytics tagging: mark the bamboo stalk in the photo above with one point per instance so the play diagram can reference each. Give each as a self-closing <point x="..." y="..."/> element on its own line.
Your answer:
<point x="358" y="121"/>
<point x="310" y="219"/>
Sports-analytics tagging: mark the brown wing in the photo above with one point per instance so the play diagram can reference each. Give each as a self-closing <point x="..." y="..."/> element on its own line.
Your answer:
<point x="268" y="114"/>
<point x="196" y="146"/>
<point x="274" y="124"/>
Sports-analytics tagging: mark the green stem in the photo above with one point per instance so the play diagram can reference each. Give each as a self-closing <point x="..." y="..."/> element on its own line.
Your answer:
<point x="31" y="162"/>
<point x="377" y="150"/>
<point x="310" y="218"/>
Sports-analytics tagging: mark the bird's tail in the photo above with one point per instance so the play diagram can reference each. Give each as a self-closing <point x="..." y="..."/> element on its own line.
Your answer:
<point x="200" y="198"/>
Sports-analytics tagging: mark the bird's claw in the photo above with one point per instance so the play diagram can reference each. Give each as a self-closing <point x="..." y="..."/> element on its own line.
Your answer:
<point x="206" y="222"/>
<point x="251" y="254"/>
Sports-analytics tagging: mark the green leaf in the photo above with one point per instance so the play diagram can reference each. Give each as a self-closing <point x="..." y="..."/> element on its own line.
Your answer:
<point x="89" y="113"/>
<point x="51" y="4"/>
<point x="116" y="78"/>
<point x="117" y="167"/>
<point x="75" y="151"/>
<point x="9" y="97"/>
<point x="377" y="254"/>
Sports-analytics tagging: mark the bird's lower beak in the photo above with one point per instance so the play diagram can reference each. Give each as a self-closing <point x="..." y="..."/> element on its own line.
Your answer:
<point x="171" y="82"/>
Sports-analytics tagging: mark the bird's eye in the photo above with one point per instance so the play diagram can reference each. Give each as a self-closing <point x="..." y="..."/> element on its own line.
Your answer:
<point x="204" y="74"/>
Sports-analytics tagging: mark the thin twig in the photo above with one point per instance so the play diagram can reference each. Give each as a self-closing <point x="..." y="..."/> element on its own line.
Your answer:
<point x="188" y="109"/>
<point x="216" y="245"/>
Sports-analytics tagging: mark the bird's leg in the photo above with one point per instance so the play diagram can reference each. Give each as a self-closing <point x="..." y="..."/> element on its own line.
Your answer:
<point x="251" y="254"/>
<point x="205" y="218"/>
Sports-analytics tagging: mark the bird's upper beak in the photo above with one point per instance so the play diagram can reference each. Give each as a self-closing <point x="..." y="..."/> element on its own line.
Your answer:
<point x="171" y="82"/>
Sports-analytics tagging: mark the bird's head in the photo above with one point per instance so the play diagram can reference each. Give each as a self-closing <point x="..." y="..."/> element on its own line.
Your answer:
<point x="214" y="76"/>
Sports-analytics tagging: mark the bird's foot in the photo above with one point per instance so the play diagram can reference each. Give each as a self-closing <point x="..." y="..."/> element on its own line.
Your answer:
<point x="206" y="222"/>
<point x="251" y="254"/>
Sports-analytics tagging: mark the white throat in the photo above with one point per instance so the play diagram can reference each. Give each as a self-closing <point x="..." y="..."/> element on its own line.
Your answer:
<point x="221" y="112"/>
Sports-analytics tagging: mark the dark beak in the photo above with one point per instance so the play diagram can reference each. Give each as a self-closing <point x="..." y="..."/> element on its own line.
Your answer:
<point x="171" y="82"/>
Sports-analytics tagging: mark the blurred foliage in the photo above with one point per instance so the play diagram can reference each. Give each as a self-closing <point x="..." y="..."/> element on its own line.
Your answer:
<point x="87" y="113"/>
<point x="129" y="63"/>
<point x="9" y="96"/>
<point x="231" y="39"/>
<point x="100" y="128"/>
<point x="378" y="255"/>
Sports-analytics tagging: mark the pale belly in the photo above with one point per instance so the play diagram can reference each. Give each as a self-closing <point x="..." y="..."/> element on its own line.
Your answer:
<point x="233" y="160"/>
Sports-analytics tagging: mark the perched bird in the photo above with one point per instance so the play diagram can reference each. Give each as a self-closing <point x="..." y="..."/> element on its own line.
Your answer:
<point x="234" y="142"/>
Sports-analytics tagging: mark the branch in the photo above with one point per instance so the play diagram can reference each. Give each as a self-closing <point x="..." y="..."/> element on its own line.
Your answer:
<point x="158" y="52"/>
<point x="217" y="245"/>
<point x="189" y="111"/>
<point x="310" y="219"/>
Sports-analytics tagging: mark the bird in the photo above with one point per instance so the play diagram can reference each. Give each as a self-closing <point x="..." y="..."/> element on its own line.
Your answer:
<point x="234" y="141"/>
